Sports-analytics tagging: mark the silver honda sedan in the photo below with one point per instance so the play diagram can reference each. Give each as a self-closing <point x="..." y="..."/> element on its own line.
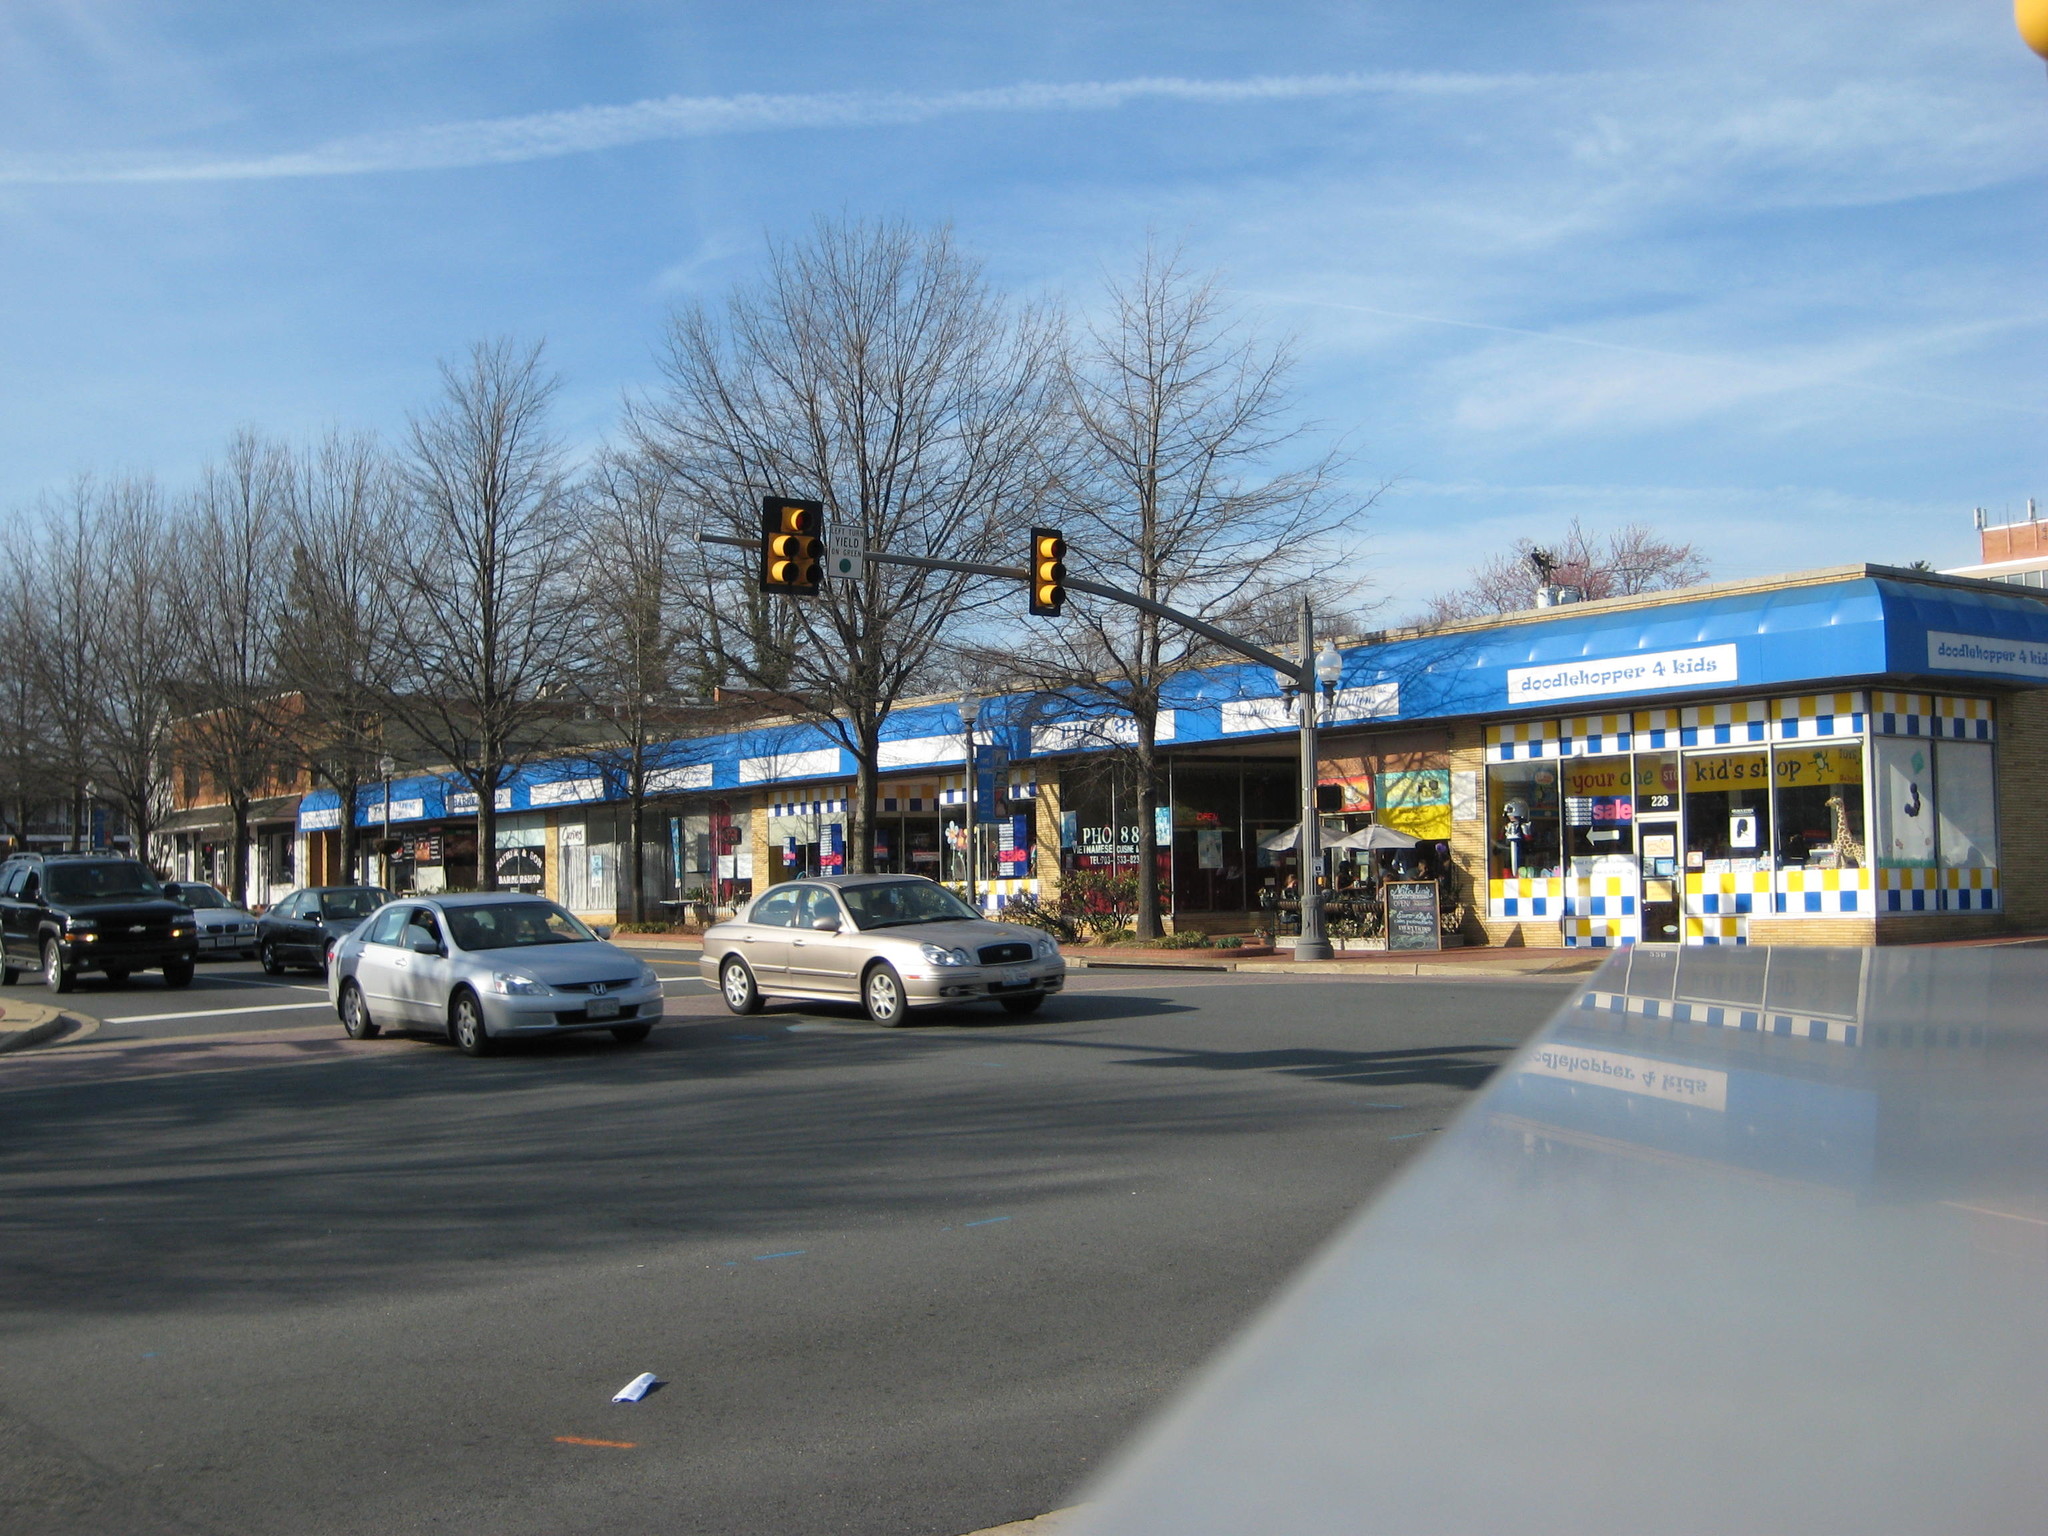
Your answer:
<point x="891" y="942"/>
<point x="485" y="968"/>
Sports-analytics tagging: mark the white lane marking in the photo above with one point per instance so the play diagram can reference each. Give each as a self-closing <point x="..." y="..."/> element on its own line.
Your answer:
<point x="212" y="1013"/>
<point x="281" y="986"/>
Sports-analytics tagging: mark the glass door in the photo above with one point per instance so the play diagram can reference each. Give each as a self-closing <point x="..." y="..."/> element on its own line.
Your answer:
<point x="1661" y="908"/>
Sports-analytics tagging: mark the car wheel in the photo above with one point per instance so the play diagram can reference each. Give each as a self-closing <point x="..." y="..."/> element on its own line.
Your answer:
<point x="736" y="985"/>
<point x="272" y="966"/>
<point x="1029" y="1004"/>
<point x="356" y="1022"/>
<point x="631" y="1034"/>
<point x="466" y="1026"/>
<point x="881" y="993"/>
<point x="177" y="973"/>
<point x="117" y="978"/>
<point x="57" y="976"/>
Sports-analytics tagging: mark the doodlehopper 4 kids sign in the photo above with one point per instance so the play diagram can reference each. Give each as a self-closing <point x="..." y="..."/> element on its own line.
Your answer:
<point x="1701" y="667"/>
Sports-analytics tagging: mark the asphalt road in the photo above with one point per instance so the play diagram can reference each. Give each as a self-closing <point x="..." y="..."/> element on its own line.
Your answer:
<point x="255" y="1278"/>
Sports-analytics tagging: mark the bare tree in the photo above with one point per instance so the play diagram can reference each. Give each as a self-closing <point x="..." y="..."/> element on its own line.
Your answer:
<point x="138" y="654"/>
<point x="1621" y="562"/>
<point x="226" y="602"/>
<point x="28" y="777"/>
<point x="63" y="616"/>
<point x="633" y="561"/>
<point x="332" y="649"/>
<point x="873" y="369"/>
<point x="1190" y="483"/>
<point x="471" y="582"/>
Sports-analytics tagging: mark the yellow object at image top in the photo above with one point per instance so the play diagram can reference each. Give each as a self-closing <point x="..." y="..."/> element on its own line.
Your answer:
<point x="2031" y="17"/>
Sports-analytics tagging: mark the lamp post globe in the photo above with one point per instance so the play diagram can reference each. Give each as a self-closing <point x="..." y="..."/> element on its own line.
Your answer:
<point x="1329" y="665"/>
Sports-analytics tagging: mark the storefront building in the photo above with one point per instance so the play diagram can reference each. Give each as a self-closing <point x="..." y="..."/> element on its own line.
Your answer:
<point x="1841" y="756"/>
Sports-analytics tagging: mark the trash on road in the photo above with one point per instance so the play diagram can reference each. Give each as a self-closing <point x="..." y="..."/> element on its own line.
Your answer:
<point x="635" y="1389"/>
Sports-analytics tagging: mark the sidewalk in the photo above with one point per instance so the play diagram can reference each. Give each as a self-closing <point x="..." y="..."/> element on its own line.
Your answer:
<point x="25" y="1024"/>
<point x="1350" y="964"/>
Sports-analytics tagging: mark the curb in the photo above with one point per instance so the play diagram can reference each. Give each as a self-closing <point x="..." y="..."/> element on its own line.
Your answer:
<point x="25" y="1024"/>
<point x="1376" y="970"/>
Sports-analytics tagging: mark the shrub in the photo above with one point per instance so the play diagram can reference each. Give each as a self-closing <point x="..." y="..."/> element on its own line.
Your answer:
<point x="1033" y="913"/>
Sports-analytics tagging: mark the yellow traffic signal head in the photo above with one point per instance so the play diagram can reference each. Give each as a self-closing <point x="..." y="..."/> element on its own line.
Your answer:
<point x="1048" y="571"/>
<point x="792" y="545"/>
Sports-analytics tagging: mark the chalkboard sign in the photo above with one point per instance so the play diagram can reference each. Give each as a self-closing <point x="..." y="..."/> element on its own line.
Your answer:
<point x="1412" y="921"/>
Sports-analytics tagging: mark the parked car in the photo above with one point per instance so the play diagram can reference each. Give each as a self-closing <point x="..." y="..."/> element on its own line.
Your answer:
<point x="64" y="914"/>
<point x="301" y="928"/>
<point x="486" y="968"/>
<point x="224" y="928"/>
<point x="890" y="942"/>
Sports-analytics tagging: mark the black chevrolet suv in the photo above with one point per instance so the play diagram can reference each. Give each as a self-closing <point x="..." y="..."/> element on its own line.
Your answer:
<point x="62" y="913"/>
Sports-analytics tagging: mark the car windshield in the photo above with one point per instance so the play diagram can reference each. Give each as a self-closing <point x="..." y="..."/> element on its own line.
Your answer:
<point x="201" y="897"/>
<point x="100" y="880"/>
<point x="903" y="901"/>
<point x="354" y="905"/>
<point x="514" y="925"/>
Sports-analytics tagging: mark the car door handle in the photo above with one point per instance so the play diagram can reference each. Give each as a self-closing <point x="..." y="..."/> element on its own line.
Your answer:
<point x="798" y="942"/>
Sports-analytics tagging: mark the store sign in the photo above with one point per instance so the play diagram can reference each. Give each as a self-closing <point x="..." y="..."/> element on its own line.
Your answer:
<point x="520" y="869"/>
<point x="1013" y="846"/>
<point x="1730" y="770"/>
<point x="1697" y="1086"/>
<point x="1820" y="765"/>
<point x="1983" y="653"/>
<point x="1701" y="667"/>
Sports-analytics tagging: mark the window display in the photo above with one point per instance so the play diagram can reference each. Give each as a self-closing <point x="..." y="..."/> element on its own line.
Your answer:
<point x="1727" y="812"/>
<point x="1820" y="806"/>
<point x="1905" y="803"/>
<point x="1524" y="839"/>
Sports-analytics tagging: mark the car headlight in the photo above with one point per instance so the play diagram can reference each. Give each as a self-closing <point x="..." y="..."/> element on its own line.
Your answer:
<point x="649" y="976"/>
<point x="938" y="956"/>
<point x="184" y="930"/>
<point x="1047" y="946"/>
<point x="513" y="984"/>
<point x="79" y="925"/>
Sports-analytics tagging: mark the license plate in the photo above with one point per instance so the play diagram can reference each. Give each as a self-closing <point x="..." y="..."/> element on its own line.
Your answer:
<point x="1018" y="977"/>
<point x="603" y="1008"/>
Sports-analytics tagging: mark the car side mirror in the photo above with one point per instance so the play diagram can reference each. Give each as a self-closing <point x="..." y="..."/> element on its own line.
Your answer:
<point x="825" y="924"/>
<point x="426" y="944"/>
<point x="603" y="930"/>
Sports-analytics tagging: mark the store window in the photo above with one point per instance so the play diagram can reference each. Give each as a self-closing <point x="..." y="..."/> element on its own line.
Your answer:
<point x="1820" y="806"/>
<point x="1966" y="823"/>
<point x="1599" y="819"/>
<point x="1727" y="812"/>
<point x="1904" y="802"/>
<point x="1525" y="834"/>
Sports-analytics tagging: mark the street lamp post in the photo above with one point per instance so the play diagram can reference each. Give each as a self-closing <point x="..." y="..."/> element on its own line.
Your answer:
<point x="970" y="709"/>
<point x="384" y="835"/>
<point x="1326" y="670"/>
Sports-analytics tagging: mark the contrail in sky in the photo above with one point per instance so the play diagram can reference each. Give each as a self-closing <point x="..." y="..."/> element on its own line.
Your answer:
<point x="581" y="130"/>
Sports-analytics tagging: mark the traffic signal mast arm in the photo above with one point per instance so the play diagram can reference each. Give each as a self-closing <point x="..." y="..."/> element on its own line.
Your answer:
<point x="1303" y="671"/>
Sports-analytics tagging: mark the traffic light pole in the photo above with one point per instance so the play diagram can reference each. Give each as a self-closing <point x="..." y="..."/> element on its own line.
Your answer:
<point x="1312" y="944"/>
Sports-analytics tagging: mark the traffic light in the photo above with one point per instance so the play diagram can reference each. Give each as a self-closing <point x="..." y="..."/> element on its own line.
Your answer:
<point x="792" y="545"/>
<point x="1048" y="571"/>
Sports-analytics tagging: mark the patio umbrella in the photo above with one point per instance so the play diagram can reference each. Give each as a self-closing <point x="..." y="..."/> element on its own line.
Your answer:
<point x="1371" y="837"/>
<point x="1281" y="841"/>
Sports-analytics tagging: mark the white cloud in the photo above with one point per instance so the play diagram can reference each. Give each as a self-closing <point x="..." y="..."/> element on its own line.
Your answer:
<point x="581" y="130"/>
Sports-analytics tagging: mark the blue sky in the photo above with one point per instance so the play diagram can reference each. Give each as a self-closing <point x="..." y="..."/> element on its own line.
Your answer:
<point x="1764" y="275"/>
